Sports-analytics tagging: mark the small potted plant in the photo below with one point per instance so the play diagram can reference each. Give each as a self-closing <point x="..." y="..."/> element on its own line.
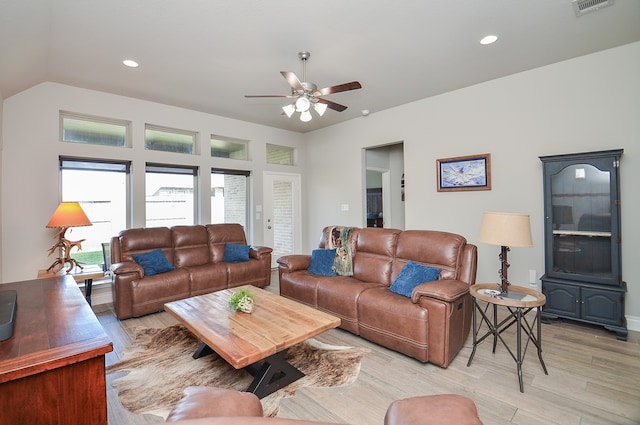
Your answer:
<point x="242" y="300"/>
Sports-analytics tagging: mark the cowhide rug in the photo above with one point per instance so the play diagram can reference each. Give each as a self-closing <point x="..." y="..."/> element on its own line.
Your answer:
<point x="160" y="365"/>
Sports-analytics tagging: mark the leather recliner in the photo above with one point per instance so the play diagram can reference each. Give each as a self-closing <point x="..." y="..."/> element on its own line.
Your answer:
<point x="217" y="406"/>
<point x="196" y="252"/>
<point x="431" y="326"/>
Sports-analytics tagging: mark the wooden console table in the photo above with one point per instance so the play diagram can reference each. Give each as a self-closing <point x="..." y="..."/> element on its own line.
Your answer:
<point x="52" y="370"/>
<point x="86" y="275"/>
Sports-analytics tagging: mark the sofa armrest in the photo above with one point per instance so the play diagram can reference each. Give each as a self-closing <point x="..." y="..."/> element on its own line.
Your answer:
<point x="208" y="402"/>
<point x="444" y="290"/>
<point x="439" y="409"/>
<point x="258" y="252"/>
<point x="127" y="267"/>
<point x="292" y="263"/>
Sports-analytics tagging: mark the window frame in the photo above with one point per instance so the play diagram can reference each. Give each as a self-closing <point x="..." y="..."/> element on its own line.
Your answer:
<point x="169" y="131"/>
<point x="71" y="163"/>
<point x="184" y="170"/>
<point x="229" y="140"/>
<point x="63" y="115"/>
<point x="272" y="147"/>
<point x="247" y="200"/>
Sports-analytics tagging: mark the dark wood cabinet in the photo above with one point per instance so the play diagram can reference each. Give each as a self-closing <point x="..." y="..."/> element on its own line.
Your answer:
<point x="52" y="370"/>
<point x="583" y="272"/>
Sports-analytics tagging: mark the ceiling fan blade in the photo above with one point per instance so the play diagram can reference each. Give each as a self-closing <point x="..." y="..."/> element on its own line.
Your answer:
<point x="266" y="95"/>
<point x="353" y="85"/>
<point x="332" y="105"/>
<point x="293" y="80"/>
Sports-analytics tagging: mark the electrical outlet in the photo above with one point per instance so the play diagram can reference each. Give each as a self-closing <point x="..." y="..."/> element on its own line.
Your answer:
<point x="532" y="277"/>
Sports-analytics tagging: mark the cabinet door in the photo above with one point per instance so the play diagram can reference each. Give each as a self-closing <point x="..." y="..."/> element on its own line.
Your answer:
<point x="582" y="220"/>
<point x="562" y="299"/>
<point x="602" y="306"/>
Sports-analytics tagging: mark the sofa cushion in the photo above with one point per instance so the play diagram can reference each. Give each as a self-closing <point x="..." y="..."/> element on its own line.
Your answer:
<point x="153" y="262"/>
<point x="191" y="246"/>
<point x="322" y="262"/>
<point x="412" y="275"/>
<point x="236" y="253"/>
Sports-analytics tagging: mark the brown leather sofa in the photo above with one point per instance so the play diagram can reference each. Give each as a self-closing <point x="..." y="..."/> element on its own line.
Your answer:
<point x="216" y="406"/>
<point x="431" y="326"/>
<point x="196" y="252"/>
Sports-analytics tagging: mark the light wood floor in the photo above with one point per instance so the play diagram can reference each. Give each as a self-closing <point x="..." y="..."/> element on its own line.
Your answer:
<point x="593" y="379"/>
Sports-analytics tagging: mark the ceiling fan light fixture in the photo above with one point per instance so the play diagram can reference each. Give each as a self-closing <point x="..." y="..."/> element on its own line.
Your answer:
<point x="289" y="109"/>
<point x="320" y="108"/>
<point x="303" y="104"/>
<point x="305" y="116"/>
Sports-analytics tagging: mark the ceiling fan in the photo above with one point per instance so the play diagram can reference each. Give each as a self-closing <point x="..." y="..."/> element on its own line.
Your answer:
<point x="307" y="95"/>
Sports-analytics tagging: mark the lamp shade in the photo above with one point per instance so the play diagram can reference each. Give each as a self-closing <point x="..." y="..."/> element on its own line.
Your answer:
<point x="506" y="229"/>
<point x="69" y="214"/>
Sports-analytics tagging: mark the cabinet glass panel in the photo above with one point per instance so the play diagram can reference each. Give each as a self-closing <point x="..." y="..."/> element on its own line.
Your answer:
<point x="581" y="218"/>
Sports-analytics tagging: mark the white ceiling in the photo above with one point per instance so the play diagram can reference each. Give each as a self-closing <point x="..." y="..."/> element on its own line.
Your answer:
<point x="207" y="54"/>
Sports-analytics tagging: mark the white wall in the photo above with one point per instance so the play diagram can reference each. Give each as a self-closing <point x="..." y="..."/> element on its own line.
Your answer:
<point x="30" y="162"/>
<point x="586" y="104"/>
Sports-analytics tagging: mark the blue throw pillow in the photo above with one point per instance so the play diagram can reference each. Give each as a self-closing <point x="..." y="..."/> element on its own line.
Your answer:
<point x="412" y="275"/>
<point x="322" y="262"/>
<point x="236" y="253"/>
<point x="153" y="262"/>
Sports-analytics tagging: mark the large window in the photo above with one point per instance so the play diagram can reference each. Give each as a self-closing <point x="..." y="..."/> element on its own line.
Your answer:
<point x="170" y="195"/>
<point x="78" y="128"/>
<point x="169" y="140"/>
<point x="101" y="188"/>
<point x="228" y="147"/>
<point x="229" y="196"/>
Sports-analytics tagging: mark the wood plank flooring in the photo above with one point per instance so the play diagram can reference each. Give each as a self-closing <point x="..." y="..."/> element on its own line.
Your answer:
<point x="593" y="378"/>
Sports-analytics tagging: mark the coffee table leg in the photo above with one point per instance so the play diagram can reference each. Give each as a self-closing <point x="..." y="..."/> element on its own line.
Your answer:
<point x="202" y="350"/>
<point x="271" y="374"/>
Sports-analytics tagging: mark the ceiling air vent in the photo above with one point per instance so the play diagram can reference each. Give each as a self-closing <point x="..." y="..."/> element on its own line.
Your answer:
<point x="581" y="7"/>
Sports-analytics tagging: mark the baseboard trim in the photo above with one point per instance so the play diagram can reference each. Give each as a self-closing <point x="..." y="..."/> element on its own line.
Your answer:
<point x="633" y="323"/>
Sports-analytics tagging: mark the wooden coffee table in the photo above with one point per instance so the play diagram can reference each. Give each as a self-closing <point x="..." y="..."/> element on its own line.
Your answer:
<point x="257" y="342"/>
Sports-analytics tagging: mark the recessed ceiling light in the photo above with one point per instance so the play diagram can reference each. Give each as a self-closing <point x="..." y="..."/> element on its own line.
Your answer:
<point x="130" y="63"/>
<point x="489" y="39"/>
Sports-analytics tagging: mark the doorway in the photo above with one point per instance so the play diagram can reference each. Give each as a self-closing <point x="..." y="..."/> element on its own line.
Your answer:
<point x="281" y="225"/>
<point x="384" y="186"/>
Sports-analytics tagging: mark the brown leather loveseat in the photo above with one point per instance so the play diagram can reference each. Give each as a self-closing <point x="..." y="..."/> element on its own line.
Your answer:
<point x="431" y="325"/>
<point x="195" y="252"/>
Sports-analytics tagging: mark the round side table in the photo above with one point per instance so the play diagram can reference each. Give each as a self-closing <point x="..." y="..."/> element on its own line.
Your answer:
<point x="519" y="301"/>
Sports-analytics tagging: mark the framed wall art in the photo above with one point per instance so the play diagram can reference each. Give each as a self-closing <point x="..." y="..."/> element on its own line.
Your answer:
<point x="460" y="173"/>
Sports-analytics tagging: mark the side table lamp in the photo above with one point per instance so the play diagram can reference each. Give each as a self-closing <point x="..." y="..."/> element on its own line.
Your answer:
<point x="506" y="230"/>
<point x="68" y="214"/>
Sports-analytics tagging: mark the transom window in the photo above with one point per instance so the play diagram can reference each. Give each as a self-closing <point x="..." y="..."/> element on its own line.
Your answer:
<point x="280" y="155"/>
<point x="76" y="128"/>
<point x="169" y="140"/>
<point x="228" y="147"/>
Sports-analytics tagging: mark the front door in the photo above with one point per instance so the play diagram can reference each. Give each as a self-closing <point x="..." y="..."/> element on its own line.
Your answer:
<point x="281" y="214"/>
